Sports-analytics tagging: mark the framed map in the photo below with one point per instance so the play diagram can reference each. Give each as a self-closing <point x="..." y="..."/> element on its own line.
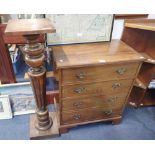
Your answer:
<point x="80" y="28"/>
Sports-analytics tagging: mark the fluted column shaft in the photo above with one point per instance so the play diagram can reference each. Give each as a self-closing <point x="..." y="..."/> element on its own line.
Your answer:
<point x="34" y="57"/>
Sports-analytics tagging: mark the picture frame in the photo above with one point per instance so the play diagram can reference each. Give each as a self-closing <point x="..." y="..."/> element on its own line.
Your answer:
<point x="23" y="105"/>
<point x="21" y="97"/>
<point x="80" y="28"/>
<point x="5" y="107"/>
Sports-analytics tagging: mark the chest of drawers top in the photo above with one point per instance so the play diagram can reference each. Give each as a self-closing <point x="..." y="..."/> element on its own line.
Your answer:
<point x="94" y="54"/>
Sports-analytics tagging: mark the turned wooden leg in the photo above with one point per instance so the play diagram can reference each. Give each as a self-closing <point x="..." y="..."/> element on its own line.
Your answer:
<point x="116" y="121"/>
<point x="34" y="57"/>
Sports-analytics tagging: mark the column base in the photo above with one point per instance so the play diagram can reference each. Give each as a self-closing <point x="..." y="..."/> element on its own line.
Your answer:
<point x="37" y="134"/>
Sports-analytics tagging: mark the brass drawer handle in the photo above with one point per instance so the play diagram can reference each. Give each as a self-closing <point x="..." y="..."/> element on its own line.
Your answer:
<point x="121" y="71"/>
<point x="112" y="99"/>
<point x="77" y="104"/>
<point x="77" y="116"/>
<point x="116" y="85"/>
<point x="81" y="75"/>
<point x="108" y="112"/>
<point x="79" y="90"/>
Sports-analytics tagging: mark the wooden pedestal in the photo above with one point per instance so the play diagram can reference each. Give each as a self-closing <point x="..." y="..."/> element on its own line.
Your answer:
<point x="37" y="134"/>
<point x="41" y="124"/>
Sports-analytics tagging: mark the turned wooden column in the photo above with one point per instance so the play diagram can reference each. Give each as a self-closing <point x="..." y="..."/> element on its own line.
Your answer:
<point x="34" y="57"/>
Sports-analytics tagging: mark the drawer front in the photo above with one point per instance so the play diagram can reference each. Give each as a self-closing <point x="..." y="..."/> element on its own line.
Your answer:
<point x="99" y="73"/>
<point x="100" y="88"/>
<point x="107" y="101"/>
<point x="88" y="115"/>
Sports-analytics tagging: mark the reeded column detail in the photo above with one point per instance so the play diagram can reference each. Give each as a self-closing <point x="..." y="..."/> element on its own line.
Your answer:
<point x="34" y="57"/>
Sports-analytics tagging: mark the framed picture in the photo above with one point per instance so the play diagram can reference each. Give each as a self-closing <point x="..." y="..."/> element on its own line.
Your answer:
<point x="21" y="97"/>
<point x="80" y="28"/>
<point x="23" y="105"/>
<point x="5" y="107"/>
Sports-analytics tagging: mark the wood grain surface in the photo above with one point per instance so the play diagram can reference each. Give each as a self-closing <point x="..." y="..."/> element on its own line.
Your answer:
<point x="29" y="27"/>
<point x="99" y="88"/>
<point x="94" y="54"/>
<point x="99" y="73"/>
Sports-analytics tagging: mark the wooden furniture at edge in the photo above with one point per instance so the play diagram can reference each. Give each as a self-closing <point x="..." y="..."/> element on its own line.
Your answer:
<point x="6" y="71"/>
<point x="43" y="123"/>
<point x="130" y="16"/>
<point x="140" y="35"/>
<point x="95" y="81"/>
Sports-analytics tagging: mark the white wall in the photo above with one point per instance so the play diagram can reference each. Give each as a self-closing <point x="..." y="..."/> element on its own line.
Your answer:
<point x="151" y="16"/>
<point x="117" y="29"/>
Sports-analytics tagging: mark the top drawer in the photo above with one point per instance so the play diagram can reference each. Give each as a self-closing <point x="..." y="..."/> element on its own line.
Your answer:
<point x="99" y="73"/>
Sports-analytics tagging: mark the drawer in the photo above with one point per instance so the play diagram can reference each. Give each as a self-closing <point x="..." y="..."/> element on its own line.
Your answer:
<point x="106" y="101"/>
<point x="88" y="115"/>
<point x="100" y="88"/>
<point x="99" y="73"/>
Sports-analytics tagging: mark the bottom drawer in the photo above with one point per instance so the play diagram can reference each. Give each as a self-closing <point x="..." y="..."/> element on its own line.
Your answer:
<point x="88" y="115"/>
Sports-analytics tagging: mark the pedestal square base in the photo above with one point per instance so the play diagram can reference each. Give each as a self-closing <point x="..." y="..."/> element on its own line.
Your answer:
<point x="52" y="132"/>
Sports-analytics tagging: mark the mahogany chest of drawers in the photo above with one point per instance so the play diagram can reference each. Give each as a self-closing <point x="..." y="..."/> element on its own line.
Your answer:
<point x="95" y="81"/>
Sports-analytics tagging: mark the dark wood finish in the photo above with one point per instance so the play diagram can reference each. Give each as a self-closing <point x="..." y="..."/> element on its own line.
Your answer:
<point x="116" y="121"/>
<point x="29" y="27"/>
<point x="105" y="53"/>
<point x="146" y="73"/>
<point x="136" y="96"/>
<point x="140" y="84"/>
<point x="129" y="16"/>
<point x="49" y="74"/>
<point x="107" y="101"/>
<point x="6" y="70"/>
<point x="20" y="39"/>
<point x="143" y="24"/>
<point x="17" y="39"/>
<point x="140" y="35"/>
<point x="138" y="41"/>
<point x="99" y="73"/>
<point x="64" y="128"/>
<point x="149" y="98"/>
<point x="34" y="57"/>
<point x="50" y="95"/>
<point x="94" y="81"/>
<point x="90" y="114"/>
<point x="100" y="88"/>
<point x="37" y="134"/>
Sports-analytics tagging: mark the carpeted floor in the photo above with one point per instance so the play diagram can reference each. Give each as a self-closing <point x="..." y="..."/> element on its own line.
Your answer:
<point x="136" y="124"/>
